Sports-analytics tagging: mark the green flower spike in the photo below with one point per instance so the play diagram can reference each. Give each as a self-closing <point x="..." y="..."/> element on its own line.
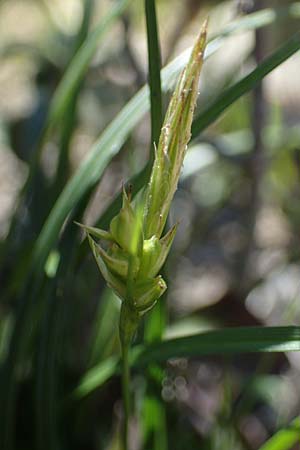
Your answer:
<point x="131" y="254"/>
<point x="174" y="137"/>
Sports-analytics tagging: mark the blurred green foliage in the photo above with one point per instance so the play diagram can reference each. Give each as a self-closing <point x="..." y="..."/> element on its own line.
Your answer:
<point x="73" y="128"/>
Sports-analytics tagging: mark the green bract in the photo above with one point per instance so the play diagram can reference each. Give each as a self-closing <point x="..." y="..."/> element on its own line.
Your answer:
<point x="131" y="254"/>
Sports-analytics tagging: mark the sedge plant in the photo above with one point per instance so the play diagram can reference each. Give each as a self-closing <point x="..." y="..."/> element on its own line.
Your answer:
<point x="131" y="253"/>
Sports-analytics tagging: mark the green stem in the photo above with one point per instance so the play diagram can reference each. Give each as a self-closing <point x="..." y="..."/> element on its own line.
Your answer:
<point x="129" y="320"/>
<point x="126" y="393"/>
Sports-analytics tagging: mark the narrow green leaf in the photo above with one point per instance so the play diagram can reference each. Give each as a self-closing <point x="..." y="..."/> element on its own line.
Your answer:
<point x="209" y="115"/>
<point x="80" y="63"/>
<point x="154" y="64"/>
<point x="154" y="425"/>
<point x="261" y="18"/>
<point x="97" y="376"/>
<point x="228" y="340"/>
<point x="158" y="314"/>
<point x="285" y="438"/>
<point x="104" y="339"/>
<point x="46" y="404"/>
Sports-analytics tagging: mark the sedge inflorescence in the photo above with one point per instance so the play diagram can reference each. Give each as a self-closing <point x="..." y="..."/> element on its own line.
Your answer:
<point x="132" y="252"/>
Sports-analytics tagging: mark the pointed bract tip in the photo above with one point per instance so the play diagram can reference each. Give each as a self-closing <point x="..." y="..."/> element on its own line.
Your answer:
<point x="83" y="227"/>
<point x="201" y="41"/>
<point x="79" y="224"/>
<point x="96" y="232"/>
<point x="127" y="192"/>
<point x="205" y="25"/>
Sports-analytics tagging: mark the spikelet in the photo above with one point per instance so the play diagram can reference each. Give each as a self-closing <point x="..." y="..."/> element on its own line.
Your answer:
<point x="131" y="254"/>
<point x="175" y="135"/>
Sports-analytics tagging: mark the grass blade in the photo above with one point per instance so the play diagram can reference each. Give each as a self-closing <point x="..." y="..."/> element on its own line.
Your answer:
<point x="80" y="63"/>
<point x="154" y="65"/>
<point x="247" y="83"/>
<point x="261" y="18"/>
<point x="105" y="339"/>
<point x="47" y="434"/>
<point x="285" y="438"/>
<point x="229" y="341"/>
<point x="154" y="417"/>
<point x="97" y="376"/>
<point x="52" y="336"/>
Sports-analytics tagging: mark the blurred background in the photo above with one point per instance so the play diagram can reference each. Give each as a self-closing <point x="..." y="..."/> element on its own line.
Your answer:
<point x="235" y="260"/>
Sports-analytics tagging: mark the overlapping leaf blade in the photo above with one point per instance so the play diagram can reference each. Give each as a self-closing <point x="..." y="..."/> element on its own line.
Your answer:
<point x="224" y="341"/>
<point x="284" y="439"/>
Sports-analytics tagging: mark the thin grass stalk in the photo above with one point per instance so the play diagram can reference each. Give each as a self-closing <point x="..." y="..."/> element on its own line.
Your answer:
<point x="28" y="295"/>
<point x="52" y="337"/>
<point x="62" y="172"/>
<point x="155" y="324"/>
<point x="18" y="341"/>
<point x="54" y="312"/>
<point x="154" y="68"/>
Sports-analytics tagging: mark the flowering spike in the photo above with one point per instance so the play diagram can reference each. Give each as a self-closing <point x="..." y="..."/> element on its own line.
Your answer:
<point x="175" y="134"/>
<point x="135" y="250"/>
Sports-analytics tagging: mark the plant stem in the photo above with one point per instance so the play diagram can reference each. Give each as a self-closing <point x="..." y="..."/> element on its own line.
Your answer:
<point x="129" y="320"/>
<point x="125" y="392"/>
